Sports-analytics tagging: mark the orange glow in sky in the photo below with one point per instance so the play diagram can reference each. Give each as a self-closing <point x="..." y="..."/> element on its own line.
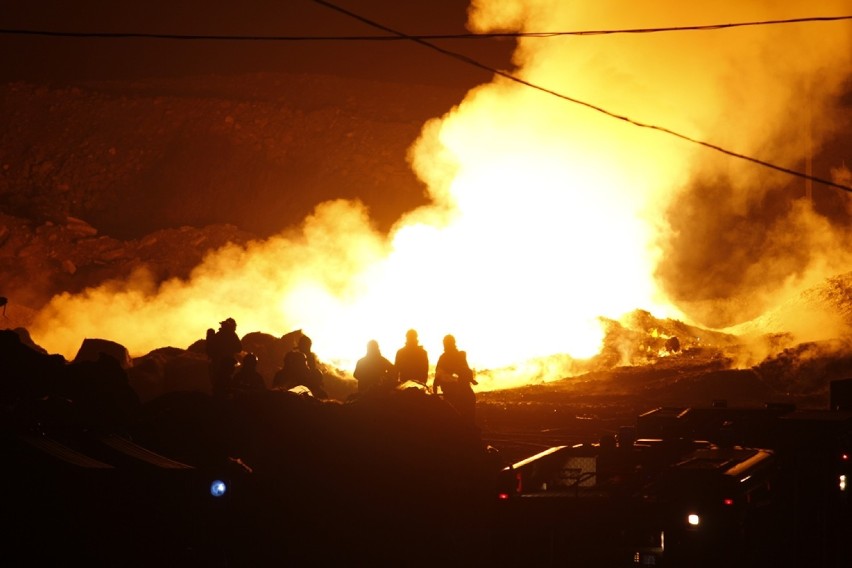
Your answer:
<point x="545" y="215"/>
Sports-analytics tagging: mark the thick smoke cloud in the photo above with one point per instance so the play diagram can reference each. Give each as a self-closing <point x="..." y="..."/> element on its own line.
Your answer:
<point x="298" y="279"/>
<point x="547" y="215"/>
<point x="735" y="238"/>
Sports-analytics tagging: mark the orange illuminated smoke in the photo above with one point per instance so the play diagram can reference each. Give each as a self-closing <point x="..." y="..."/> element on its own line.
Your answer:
<point x="544" y="215"/>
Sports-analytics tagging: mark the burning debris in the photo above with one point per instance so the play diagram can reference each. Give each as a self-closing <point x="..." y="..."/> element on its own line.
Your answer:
<point x="638" y="220"/>
<point x="563" y="247"/>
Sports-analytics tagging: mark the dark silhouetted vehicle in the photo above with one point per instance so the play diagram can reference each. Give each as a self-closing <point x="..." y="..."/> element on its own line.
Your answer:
<point x="716" y="486"/>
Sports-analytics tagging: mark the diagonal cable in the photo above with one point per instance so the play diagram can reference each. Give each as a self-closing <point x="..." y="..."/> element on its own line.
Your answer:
<point x="470" y="61"/>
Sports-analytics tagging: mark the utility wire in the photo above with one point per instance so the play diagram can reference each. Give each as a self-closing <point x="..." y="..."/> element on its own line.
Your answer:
<point x="470" y="61"/>
<point x="705" y="27"/>
<point x="399" y="37"/>
<point x="424" y="40"/>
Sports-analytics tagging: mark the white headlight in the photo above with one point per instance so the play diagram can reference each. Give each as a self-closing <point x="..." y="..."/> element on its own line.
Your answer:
<point x="693" y="519"/>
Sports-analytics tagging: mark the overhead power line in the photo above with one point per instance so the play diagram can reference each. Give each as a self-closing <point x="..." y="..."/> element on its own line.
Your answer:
<point x="425" y="41"/>
<point x="705" y="27"/>
<point x="406" y="37"/>
<point x="470" y="61"/>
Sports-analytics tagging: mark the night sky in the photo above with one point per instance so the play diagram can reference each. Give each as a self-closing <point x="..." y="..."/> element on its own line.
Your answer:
<point x="38" y="58"/>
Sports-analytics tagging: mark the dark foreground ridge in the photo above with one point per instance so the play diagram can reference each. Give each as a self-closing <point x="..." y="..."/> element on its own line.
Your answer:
<point x="99" y="475"/>
<point x="102" y="478"/>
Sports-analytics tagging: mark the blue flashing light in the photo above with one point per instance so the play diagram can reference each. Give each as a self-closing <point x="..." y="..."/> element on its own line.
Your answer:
<point x="218" y="488"/>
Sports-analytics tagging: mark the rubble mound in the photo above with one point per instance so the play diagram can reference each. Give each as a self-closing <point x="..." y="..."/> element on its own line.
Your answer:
<point x="99" y="179"/>
<point x="258" y="151"/>
<point x="38" y="261"/>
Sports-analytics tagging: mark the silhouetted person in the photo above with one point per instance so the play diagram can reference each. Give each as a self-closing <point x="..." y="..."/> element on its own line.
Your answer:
<point x="294" y="371"/>
<point x="315" y="378"/>
<point x="223" y="348"/>
<point x="297" y="370"/>
<point x="209" y="342"/>
<point x="373" y="372"/>
<point x="454" y="378"/>
<point x="412" y="361"/>
<point x="247" y="379"/>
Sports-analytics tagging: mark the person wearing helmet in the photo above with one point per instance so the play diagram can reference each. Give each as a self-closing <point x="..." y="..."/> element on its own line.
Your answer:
<point x="223" y="348"/>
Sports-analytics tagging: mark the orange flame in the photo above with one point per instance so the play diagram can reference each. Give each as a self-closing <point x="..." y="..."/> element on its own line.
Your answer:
<point x="545" y="215"/>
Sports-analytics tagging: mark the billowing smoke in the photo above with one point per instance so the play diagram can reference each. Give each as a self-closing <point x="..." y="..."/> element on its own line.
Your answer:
<point x="277" y="285"/>
<point x="737" y="238"/>
<point x="546" y="214"/>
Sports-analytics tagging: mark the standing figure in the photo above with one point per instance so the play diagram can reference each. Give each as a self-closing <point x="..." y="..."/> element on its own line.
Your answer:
<point x="373" y="372"/>
<point x="454" y="378"/>
<point x="314" y="378"/>
<point x="223" y="347"/>
<point x="412" y="361"/>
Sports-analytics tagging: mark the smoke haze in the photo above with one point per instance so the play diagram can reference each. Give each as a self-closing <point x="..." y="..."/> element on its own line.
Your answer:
<point x="547" y="215"/>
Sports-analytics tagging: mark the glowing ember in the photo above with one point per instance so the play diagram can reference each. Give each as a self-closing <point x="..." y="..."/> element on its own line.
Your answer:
<point x="545" y="216"/>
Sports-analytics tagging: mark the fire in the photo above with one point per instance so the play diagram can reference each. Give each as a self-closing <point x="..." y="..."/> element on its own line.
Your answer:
<point x="545" y="215"/>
